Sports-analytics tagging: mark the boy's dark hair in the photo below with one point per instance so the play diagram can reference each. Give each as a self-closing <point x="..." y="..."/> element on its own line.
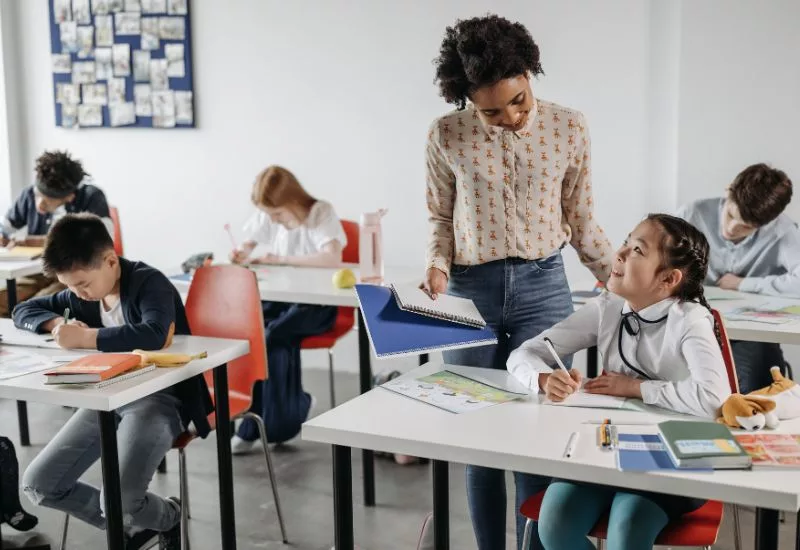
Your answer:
<point x="76" y="241"/>
<point x="480" y="52"/>
<point x="684" y="247"/>
<point x="58" y="174"/>
<point x="761" y="193"/>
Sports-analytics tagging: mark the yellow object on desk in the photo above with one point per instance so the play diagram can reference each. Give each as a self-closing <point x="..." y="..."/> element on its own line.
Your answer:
<point x="167" y="359"/>
<point x="344" y="278"/>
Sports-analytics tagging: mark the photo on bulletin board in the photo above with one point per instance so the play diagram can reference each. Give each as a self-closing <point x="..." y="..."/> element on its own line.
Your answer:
<point x="122" y="63"/>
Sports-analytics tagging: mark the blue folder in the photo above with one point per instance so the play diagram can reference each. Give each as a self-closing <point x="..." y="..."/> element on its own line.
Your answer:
<point x="394" y="332"/>
<point x="653" y="456"/>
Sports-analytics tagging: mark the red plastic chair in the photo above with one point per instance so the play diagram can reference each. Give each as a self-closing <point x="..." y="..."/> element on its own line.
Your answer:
<point x="345" y="316"/>
<point x="698" y="528"/>
<point x="117" y="236"/>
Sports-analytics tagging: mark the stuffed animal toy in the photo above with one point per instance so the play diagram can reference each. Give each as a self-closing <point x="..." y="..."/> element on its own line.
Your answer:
<point x="763" y="408"/>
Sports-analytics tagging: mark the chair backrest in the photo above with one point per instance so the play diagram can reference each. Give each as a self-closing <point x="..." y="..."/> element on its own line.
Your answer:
<point x="727" y="353"/>
<point x="224" y="302"/>
<point x="350" y="252"/>
<point x="117" y="236"/>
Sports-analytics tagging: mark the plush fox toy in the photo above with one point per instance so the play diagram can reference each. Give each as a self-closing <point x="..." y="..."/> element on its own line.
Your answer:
<point x="763" y="408"/>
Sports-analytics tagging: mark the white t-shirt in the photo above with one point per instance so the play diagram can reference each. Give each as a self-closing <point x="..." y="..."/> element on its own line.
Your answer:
<point x="112" y="317"/>
<point x="321" y="227"/>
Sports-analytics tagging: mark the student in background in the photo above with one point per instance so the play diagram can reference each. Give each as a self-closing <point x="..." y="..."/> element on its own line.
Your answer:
<point x="118" y="305"/>
<point x="61" y="187"/>
<point x="656" y="335"/>
<point x="755" y="247"/>
<point x="294" y="229"/>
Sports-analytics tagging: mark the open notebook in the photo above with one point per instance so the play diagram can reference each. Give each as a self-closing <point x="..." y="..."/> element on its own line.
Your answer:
<point x="20" y="253"/>
<point x="449" y="308"/>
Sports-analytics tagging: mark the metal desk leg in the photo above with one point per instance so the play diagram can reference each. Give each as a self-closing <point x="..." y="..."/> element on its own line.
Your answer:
<point x="591" y="362"/>
<point x="766" y="529"/>
<point x="227" y="517"/>
<point x="441" y="505"/>
<point x="365" y="378"/>
<point x="342" y="498"/>
<point x="115" y="535"/>
<point x="22" y="406"/>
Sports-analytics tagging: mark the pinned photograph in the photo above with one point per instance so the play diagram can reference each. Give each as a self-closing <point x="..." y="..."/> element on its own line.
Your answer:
<point x="62" y="63"/>
<point x="104" y="67"/>
<point x="100" y="7"/>
<point x="183" y="108"/>
<point x="154" y="6"/>
<point x="68" y="94"/>
<point x="122" y="114"/>
<point x="158" y="75"/>
<point x="85" y="41"/>
<point x="175" y="64"/>
<point x="81" y="13"/>
<point x="62" y="10"/>
<point x="164" y="109"/>
<point x="116" y="91"/>
<point x="172" y="28"/>
<point x="94" y="94"/>
<point x="90" y="115"/>
<point x="68" y="31"/>
<point x="83" y="72"/>
<point x="141" y="66"/>
<point x="69" y="116"/>
<point x="121" y="54"/>
<point x="150" y="39"/>
<point x="177" y="7"/>
<point x="133" y="5"/>
<point x="143" y="100"/>
<point x="104" y="31"/>
<point x="116" y="6"/>
<point x="128" y="24"/>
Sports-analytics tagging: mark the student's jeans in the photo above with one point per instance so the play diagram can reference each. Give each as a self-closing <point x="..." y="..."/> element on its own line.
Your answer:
<point x="145" y="431"/>
<point x="280" y="400"/>
<point x="518" y="299"/>
<point x="753" y="363"/>
<point x="569" y="511"/>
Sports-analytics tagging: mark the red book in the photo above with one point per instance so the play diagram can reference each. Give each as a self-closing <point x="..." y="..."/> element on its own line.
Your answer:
<point x="93" y="368"/>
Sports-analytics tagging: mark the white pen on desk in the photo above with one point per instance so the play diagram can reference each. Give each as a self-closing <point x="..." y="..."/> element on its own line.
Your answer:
<point x="552" y="350"/>
<point x="571" y="445"/>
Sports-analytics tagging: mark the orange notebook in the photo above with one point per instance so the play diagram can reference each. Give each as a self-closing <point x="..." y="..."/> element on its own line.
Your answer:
<point x="93" y="368"/>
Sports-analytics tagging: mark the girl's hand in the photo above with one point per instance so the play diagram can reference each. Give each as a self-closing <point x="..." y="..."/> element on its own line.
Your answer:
<point x="559" y="385"/>
<point x="269" y="259"/>
<point x="615" y="384"/>
<point x="238" y="256"/>
<point x="435" y="282"/>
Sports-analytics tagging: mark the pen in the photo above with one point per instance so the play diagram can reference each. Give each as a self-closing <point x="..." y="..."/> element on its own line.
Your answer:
<point x="66" y="316"/>
<point x="571" y="444"/>
<point x="600" y="422"/>
<point x="230" y="234"/>
<point x="552" y="350"/>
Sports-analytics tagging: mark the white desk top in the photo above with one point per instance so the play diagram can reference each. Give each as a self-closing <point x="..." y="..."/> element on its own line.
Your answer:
<point x="527" y="437"/>
<point x="788" y="333"/>
<point x="21" y="268"/>
<point x="32" y="387"/>
<point x="312" y="285"/>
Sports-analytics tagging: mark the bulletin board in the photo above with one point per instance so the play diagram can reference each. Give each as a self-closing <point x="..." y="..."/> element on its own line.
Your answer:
<point x="122" y="63"/>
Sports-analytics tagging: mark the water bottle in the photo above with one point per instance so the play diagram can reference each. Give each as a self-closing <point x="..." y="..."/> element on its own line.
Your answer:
<point x="370" y="247"/>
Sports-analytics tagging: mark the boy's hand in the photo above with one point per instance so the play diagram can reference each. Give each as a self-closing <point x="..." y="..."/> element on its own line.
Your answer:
<point x="73" y="336"/>
<point x="616" y="384"/>
<point x="559" y="385"/>
<point x="729" y="281"/>
<point x="53" y="323"/>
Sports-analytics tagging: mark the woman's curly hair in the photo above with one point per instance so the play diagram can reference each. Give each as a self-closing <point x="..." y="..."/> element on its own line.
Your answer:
<point x="481" y="51"/>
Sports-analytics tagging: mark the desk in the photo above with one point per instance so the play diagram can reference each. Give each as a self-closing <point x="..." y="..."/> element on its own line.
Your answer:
<point x="312" y="285"/>
<point x="385" y="421"/>
<point x="11" y="271"/>
<point x="104" y="400"/>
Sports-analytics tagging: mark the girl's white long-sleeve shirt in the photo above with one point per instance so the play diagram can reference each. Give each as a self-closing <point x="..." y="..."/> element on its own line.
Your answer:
<point x="671" y="343"/>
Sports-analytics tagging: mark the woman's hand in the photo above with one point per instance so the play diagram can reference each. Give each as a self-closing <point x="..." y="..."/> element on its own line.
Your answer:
<point x="615" y="384"/>
<point x="558" y="385"/>
<point x="435" y="282"/>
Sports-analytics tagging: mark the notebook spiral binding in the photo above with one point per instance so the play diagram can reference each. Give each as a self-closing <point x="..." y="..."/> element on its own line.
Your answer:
<point x="434" y="314"/>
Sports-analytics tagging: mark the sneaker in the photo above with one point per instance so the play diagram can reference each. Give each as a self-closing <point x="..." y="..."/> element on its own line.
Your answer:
<point x="241" y="446"/>
<point x="171" y="540"/>
<point x="426" y="535"/>
<point x="311" y="408"/>
<point x="146" y="538"/>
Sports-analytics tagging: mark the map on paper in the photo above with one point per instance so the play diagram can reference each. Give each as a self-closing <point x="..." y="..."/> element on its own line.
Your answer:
<point x="776" y="312"/>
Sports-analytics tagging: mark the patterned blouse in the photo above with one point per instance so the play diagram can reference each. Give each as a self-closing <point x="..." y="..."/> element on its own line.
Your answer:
<point x="495" y="194"/>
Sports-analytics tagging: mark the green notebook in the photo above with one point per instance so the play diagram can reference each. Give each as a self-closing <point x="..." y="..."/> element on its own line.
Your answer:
<point x="703" y="445"/>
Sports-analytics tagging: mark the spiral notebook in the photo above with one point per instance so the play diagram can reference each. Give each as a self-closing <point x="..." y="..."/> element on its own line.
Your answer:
<point x="450" y="308"/>
<point x="394" y="332"/>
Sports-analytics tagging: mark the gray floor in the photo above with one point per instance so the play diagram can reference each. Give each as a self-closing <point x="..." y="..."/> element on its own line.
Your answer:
<point x="304" y="478"/>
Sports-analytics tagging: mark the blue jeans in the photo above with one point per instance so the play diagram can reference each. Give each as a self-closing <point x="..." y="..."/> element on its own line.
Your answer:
<point x="280" y="400"/>
<point x="753" y="361"/>
<point x="145" y="431"/>
<point x="519" y="299"/>
<point x="569" y="511"/>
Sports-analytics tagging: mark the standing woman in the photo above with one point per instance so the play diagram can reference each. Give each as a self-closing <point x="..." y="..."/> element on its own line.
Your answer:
<point x="508" y="186"/>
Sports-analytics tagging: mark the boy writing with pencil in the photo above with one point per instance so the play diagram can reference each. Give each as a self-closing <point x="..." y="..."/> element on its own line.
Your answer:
<point x="118" y="305"/>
